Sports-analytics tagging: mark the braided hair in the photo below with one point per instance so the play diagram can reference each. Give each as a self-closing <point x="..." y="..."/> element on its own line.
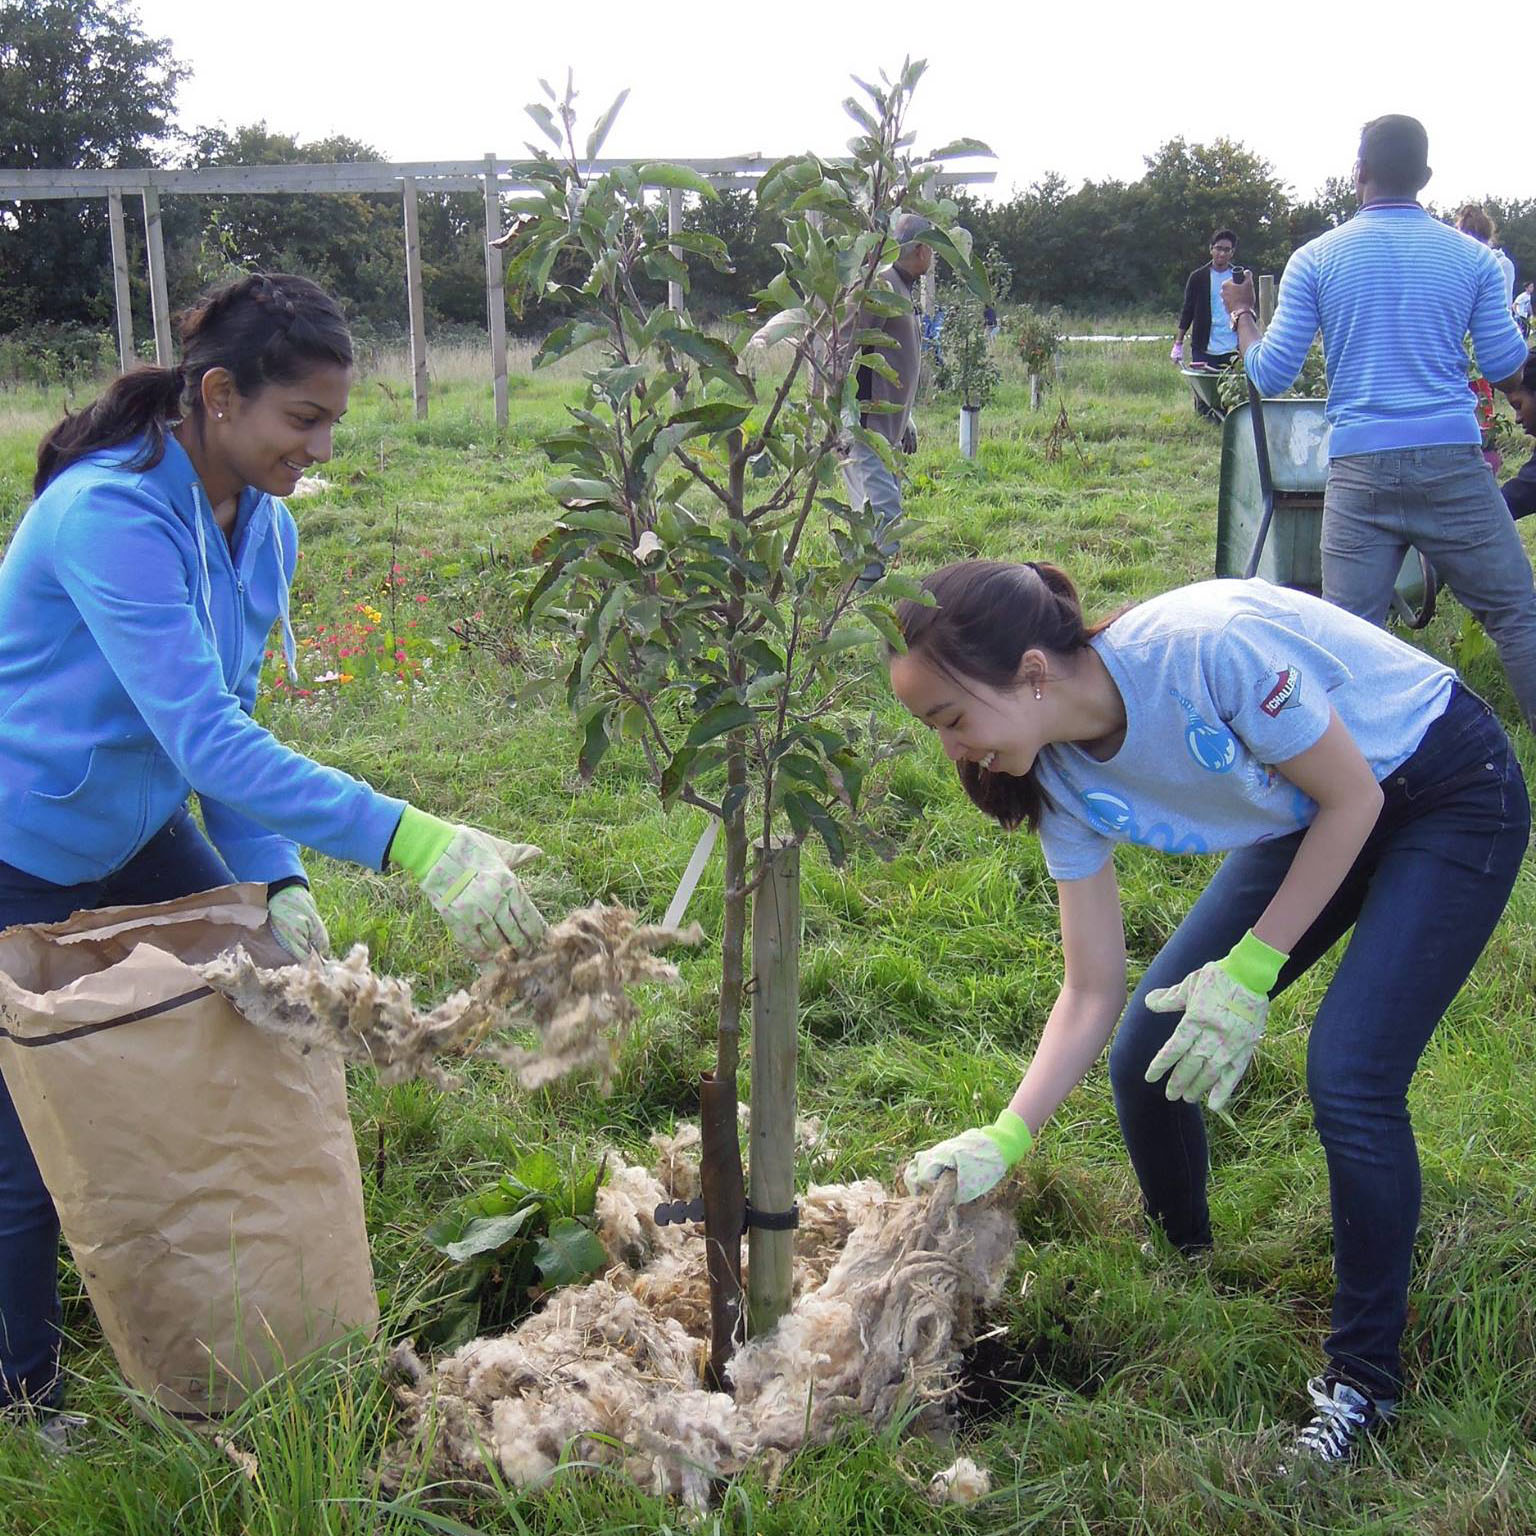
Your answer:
<point x="265" y="328"/>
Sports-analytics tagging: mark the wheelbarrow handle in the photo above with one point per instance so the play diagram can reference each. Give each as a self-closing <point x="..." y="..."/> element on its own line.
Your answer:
<point x="1266" y="481"/>
<point x="1261" y="450"/>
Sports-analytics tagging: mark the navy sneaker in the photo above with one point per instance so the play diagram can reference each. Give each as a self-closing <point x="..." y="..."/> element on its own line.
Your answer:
<point x="1342" y="1417"/>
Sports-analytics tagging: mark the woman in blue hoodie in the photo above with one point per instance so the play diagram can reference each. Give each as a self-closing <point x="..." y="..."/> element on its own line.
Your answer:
<point x="136" y="599"/>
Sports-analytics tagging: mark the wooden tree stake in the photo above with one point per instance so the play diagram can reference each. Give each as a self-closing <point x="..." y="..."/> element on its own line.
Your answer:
<point x="775" y="1012"/>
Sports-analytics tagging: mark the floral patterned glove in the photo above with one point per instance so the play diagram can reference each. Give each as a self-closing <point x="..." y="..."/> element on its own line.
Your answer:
<point x="1225" y="1005"/>
<point x="467" y="876"/>
<point x="296" y="921"/>
<point x="980" y="1157"/>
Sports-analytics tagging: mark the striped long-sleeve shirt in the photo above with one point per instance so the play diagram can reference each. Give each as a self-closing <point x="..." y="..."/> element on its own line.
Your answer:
<point x="1394" y="292"/>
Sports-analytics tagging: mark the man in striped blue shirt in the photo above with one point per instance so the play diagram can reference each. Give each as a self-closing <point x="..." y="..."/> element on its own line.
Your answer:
<point x="1395" y="293"/>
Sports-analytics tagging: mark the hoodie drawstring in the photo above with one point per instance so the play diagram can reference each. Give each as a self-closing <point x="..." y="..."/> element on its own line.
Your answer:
<point x="202" y="556"/>
<point x="290" y="647"/>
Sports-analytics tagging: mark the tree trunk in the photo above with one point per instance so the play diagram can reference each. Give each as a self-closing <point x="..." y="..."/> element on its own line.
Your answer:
<point x="775" y="1012"/>
<point x="722" y="1181"/>
<point x="1034" y="391"/>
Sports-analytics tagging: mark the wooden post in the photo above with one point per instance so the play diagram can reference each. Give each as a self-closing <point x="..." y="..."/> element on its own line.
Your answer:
<point x="1266" y="300"/>
<point x="674" y="223"/>
<point x="775" y="1015"/>
<point x="122" y="299"/>
<point x="414" y="301"/>
<point x="160" y="304"/>
<point x="495" y="296"/>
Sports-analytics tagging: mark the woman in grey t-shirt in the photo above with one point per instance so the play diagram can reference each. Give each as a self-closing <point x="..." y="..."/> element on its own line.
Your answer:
<point x="1352" y="782"/>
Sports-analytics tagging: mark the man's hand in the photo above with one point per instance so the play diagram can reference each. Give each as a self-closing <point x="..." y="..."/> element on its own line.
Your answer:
<point x="1177" y="355"/>
<point x="296" y="921"/>
<point x="467" y="876"/>
<point x="980" y="1157"/>
<point x="1239" y="295"/>
<point x="909" y="439"/>
<point x="1225" y="1005"/>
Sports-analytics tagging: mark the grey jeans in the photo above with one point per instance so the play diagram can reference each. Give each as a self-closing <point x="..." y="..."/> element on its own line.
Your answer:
<point x="1445" y="502"/>
<point x="868" y="480"/>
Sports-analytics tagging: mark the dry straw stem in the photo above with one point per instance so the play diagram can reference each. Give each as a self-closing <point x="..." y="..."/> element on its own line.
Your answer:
<point x="609" y="1375"/>
<point x="574" y="991"/>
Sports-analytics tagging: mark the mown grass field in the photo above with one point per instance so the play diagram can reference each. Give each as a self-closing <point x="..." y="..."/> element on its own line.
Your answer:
<point x="1154" y="1396"/>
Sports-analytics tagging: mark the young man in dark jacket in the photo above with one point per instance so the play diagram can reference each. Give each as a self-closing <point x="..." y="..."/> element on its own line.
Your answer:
<point x="1212" y="342"/>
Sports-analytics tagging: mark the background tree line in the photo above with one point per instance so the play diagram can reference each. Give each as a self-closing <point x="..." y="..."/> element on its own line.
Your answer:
<point x="81" y="85"/>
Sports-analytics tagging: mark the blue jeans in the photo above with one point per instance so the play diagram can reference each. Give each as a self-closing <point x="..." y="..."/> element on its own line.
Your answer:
<point x="1423" y="896"/>
<point x="1445" y="502"/>
<point x="176" y="861"/>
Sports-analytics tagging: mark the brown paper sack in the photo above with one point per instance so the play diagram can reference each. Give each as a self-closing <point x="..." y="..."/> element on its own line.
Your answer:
<point x="205" y="1172"/>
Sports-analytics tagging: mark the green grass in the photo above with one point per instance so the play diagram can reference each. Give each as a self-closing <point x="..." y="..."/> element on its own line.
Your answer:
<point x="1154" y="1395"/>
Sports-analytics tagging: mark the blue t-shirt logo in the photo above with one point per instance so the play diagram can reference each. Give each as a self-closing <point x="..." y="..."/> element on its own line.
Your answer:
<point x="1213" y="747"/>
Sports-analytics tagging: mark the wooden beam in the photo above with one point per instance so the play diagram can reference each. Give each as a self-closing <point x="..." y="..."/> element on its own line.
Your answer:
<point x="495" y="291"/>
<point x="360" y="176"/>
<point x="121" y="294"/>
<point x="160" y="304"/>
<point x="414" y="302"/>
<point x="1266" y="300"/>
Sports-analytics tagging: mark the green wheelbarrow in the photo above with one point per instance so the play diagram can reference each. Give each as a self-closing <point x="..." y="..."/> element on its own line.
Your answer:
<point x="1269" y="518"/>
<point x="1205" y="384"/>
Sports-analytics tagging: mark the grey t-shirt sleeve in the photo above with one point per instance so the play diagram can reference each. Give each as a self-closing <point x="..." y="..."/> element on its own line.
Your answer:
<point x="1072" y="849"/>
<point x="1271" y="685"/>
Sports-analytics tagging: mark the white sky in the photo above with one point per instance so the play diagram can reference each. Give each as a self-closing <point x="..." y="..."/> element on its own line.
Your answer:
<point x="1083" y="89"/>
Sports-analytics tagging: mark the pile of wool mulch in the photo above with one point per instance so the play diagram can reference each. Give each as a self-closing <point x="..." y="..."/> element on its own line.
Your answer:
<point x="888" y="1290"/>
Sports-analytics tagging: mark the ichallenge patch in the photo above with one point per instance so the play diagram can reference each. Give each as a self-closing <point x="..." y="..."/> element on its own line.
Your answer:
<point x="1282" y="693"/>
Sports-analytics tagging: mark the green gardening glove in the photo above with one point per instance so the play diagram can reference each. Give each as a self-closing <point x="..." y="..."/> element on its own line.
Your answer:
<point x="467" y="876"/>
<point x="980" y="1157"/>
<point x="1225" y="1004"/>
<point x="296" y="921"/>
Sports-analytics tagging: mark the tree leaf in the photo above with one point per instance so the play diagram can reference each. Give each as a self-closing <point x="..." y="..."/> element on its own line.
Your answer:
<point x="960" y="149"/>
<point x="603" y="124"/>
<point x="676" y="178"/>
<point x="786" y="324"/>
<point x="712" y="415"/>
<point x="861" y="116"/>
<point x="565" y="339"/>
<point x="582" y="489"/>
<point x="594" y="746"/>
<point x="846" y="637"/>
<point x="805" y="812"/>
<point x="546" y="120"/>
<point x="675" y="774"/>
<point x="717" y="721"/>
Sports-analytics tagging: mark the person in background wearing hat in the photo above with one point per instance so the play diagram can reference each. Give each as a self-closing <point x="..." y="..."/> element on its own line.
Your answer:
<point x="885" y="405"/>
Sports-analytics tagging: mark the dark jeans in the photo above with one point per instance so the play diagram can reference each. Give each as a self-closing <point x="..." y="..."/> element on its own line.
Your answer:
<point x="1423" y="897"/>
<point x="176" y="861"/>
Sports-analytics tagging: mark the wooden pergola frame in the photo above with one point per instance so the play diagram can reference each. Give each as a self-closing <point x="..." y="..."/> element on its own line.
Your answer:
<point x="407" y="179"/>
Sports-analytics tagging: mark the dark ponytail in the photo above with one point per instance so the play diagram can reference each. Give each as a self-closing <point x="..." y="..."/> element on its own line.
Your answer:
<point x="262" y="329"/>
<point x="985" y="615"/>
